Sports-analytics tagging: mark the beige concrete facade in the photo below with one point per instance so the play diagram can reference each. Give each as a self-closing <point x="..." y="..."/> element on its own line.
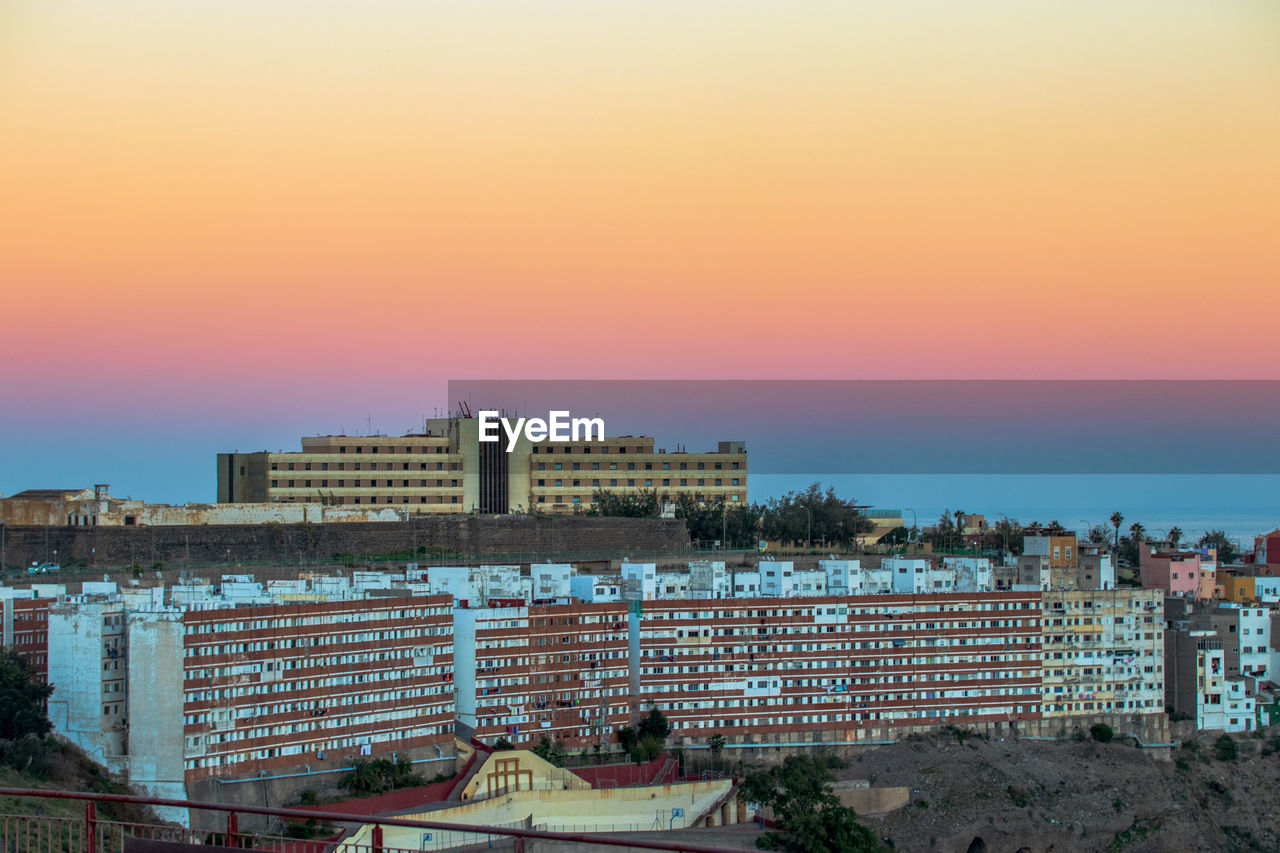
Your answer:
<point x="1103" y="652"/>
<point x="447" y="469"/>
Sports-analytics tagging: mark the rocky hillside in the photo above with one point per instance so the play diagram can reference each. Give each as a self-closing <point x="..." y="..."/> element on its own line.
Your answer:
<point x="969" y="793"/>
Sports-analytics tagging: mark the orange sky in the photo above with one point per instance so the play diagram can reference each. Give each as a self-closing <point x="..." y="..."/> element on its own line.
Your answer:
<point x="661" y="189"/>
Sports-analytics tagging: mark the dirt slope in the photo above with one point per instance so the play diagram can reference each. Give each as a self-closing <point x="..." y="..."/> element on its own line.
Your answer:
<point x="1069" y="795"/>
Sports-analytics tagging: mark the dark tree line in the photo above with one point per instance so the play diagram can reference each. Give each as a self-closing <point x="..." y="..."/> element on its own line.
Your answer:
<point x="799" y="518"/>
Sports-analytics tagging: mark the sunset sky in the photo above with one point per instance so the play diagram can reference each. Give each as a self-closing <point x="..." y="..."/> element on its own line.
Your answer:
<point x="227" y="224"/>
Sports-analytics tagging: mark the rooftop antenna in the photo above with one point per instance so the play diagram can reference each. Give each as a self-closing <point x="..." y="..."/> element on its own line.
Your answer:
<point x="368" y="422"/>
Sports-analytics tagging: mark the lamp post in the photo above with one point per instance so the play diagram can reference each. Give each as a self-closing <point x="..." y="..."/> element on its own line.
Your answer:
<point x="1007" y="525"/>
<point x="808" y="531"/>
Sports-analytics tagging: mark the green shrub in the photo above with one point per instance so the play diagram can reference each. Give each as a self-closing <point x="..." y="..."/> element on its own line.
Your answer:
<point x="1101" y="732"/>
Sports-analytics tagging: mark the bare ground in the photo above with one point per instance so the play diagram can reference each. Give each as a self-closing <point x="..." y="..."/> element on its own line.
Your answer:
<point x="1068" y="795"/>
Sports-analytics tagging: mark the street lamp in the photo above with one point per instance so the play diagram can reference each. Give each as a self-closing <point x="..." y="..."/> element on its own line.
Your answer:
<point x="912" y="536"/>
<point x="808" y="531"/>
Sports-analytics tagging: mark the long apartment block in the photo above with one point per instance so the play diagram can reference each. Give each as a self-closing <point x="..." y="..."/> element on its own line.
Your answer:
<point x="765" y="667"/>
<point x="208" y="683"/>
<point x="447" y="469"/>
<point x="173" y="696"/>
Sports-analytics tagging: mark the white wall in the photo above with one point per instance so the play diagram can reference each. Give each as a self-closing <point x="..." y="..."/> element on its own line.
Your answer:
<point x="157" y="742"/>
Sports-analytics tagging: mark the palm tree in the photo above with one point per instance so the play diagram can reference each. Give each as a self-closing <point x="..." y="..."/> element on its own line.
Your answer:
<point x="716" y="744"/>
<point x="1116" y="518"/>
<point x="1136" y="532"/>
<point x="1175" y="533"/>
<point x="364" y="778"/>
<point x="959" y="527"/>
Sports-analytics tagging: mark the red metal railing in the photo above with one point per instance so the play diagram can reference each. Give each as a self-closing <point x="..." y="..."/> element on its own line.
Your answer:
<point x="48" y="834"/>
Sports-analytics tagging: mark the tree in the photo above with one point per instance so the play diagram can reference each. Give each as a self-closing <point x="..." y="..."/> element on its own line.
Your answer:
<point x="1225" y="748"/>
<point x="897" y="536"/>
<point x="552" y="751"/>
<point x="1175" y="536"/>
<point x="1131" y="551"/>
<point x="814" y="515"/>
<point x="1101" y="732"/>
<point x="1007" y="536"/>
<point x="716" y="744"/>
<point x="654" y="724"/>
<point x="646" y="740"/>
<point x="364" y="778"/>
<point x="642" y="503"/>
<point x="808" y="815"/>
<point x="1116" y="519"/>
<point x="1098" y="535"/>
<point x="22" y="697"/>
<point x="1227" y="552"/>
<point x="943" y="533"/>
<point x="627" y="739"/>
<point x="379" y="774"/>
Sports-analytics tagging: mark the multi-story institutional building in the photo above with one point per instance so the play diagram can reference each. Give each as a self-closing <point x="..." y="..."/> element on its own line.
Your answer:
<point x="446" y="468"/>
<point x="1103" y="652"/>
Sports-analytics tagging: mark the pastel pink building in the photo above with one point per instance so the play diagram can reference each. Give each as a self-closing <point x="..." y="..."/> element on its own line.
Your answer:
<point x="1176" y="572"/>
